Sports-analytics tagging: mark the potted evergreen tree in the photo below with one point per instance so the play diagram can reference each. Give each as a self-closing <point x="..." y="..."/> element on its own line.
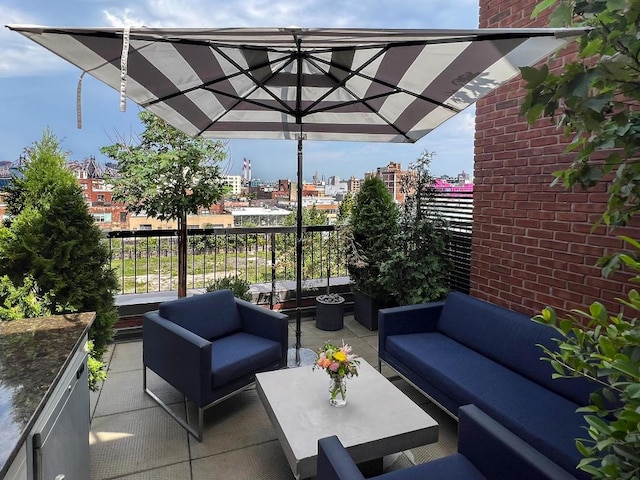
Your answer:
<point x="374" y="224"/>
<point x="417" y="269"/>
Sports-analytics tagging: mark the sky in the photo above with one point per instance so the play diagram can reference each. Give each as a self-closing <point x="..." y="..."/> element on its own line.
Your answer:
<point x="38" y="90"/>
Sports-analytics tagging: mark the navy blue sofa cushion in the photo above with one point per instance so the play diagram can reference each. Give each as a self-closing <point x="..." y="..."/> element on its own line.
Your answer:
<point x="237" y="355"/>
<point x="210" y="315"/>
<point x="509" y="338"/>
<point x="465" y="350"/>
<point x="541" y="417"/>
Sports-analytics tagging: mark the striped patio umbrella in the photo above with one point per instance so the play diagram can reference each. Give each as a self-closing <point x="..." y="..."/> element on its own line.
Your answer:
<point x="298" y="83"/>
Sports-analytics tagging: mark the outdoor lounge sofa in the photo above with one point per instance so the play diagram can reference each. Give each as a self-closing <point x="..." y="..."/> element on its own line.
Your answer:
<point x="467" y="351"/>
<point x="486" y="450"/>
<point x="210" y="346"/>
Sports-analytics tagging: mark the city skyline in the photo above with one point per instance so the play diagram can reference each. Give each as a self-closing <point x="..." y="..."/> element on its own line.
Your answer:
<point x="39" y="90"/>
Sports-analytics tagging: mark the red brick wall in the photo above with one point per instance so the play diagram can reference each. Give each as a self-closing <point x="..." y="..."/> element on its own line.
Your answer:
<point x="532" y="245"/>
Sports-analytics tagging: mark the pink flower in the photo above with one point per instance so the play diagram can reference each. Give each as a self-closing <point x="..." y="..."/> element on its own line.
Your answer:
<point x="334" y="367"/>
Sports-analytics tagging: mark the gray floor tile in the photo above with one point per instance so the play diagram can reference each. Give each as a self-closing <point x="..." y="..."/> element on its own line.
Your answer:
<point x="259" y="462"/>
<point x="126" y="356"/>
<point x="123" y="392"/>
<point x="357" y="328"/>
<point x="447" y="437"/>
<point x="180" y="471"/>
<point x="236" y="423"/>
<point x="132" y="442"/>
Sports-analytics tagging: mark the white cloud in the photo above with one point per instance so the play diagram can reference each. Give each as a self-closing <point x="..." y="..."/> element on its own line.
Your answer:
<point x="19" y="56"/>
<point x="124" y="18"/>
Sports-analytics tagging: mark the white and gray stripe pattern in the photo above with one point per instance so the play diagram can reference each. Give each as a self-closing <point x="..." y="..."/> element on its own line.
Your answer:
<point x="330" y="84"/>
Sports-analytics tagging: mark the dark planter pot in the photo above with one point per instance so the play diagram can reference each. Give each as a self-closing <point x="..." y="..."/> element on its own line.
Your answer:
<point x="329" y="316"/>
<point x="365" y="309"/>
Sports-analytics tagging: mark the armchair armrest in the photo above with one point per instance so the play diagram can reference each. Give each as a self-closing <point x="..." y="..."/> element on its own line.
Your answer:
<point x="265" y="323"/>
<point x="334" y="462"/>
<point x="498" y="453"/>
<point x="408" y="319"/>
<point x="179" y="356"/>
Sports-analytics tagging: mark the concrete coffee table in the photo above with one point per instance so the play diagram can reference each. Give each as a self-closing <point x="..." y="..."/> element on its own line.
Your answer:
<point x="378" y="419"/>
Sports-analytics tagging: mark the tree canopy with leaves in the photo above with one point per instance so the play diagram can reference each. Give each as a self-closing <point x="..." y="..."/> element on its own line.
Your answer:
<point x="53" y="240"/>
<point x="168" y="175"/>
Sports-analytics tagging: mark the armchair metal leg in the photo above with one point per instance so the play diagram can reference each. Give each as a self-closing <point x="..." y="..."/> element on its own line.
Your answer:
<point x="194" y="432"/>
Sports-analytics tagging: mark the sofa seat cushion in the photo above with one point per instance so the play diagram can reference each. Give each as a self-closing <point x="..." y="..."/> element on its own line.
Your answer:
<point x="509" y="338"/>
<point x="542" y="418"/>
<point x="453" y="467"/>
<point x="241" y="354"/>
<point x="209" y="315"/>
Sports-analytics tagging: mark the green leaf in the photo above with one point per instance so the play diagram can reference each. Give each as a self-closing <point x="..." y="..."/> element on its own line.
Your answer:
<point x="534" y="76"/>
<point x="542" y="6"/>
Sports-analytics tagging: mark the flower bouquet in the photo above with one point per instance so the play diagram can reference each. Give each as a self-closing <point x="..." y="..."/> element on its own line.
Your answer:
<point x="339" y="364"/>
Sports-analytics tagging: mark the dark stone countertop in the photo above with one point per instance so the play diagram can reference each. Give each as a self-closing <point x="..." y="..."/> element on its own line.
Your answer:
<point x="33" y="354"/>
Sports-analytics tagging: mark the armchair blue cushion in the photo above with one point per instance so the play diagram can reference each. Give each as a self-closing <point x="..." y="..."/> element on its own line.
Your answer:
<point x="486" y="451"/>
<point x="195" y="314"/>
<point x="211" y="346"/>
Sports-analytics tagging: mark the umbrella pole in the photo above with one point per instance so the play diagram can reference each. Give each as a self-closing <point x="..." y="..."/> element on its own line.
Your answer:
<point x="299" y="254"/>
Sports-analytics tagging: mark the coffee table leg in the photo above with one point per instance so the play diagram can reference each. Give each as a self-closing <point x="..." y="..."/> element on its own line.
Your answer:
<point x="371" y="468"/>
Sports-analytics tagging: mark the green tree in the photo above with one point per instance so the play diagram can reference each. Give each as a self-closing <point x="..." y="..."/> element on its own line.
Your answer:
<point x="374" y="224"/>
<point x="345" y="209"/>
<point x="417" y="269"/>
<point x="168" y="175"/>
<point x="54" y="240"/>
<point x="595" y="99"/>
<point x="310" y="217"/>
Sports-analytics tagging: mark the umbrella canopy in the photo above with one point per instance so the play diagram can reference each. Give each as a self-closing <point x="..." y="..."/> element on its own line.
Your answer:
<point x="328" y="84"/>
<point x="299" y="83"/>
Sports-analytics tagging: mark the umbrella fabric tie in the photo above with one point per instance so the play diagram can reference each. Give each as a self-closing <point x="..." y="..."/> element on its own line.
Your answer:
<point x="123" y="69"/>
<point x="79" y="101"/>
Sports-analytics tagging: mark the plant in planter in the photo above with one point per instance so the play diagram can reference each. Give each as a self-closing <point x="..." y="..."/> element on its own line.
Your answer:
<point x="374" y="224"/>
<point x="330" y="306"/>
<point x="237" y="285"/>
<point x="417" y="270"/>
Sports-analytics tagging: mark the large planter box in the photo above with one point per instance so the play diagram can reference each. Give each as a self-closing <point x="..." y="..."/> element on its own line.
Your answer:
<point x="365" y="309"/>
<point x="330" y="316"/>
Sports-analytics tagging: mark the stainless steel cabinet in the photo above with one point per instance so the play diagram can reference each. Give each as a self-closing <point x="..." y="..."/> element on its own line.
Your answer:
<point x="60" y="437"/>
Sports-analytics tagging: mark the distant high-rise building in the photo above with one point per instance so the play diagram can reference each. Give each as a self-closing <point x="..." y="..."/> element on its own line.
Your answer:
<point x="392" y="175"/>
<point x="353" y="185"/>
<point x="463" y="178"/>
<point x="235" y="182"/>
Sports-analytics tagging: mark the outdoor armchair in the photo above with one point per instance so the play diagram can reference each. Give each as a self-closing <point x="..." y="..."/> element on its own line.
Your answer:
<point x="486" y="451"/>
<point x="209" y="347"/>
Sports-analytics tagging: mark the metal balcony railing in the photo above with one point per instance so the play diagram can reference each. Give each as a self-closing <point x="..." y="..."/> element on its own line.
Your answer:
<point x="147" y="260"/>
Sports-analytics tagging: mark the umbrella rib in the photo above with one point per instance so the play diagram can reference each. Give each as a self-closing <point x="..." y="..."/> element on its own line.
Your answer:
<point x="395" y="88"/>
<point x="258" y="84"/>
<point x="351" y="74"/>
<point x="241" y="71"/>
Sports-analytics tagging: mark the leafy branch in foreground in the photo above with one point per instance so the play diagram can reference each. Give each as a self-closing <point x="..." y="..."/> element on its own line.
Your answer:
<point x="594" y="99"/>
<point x="606" y="349"/>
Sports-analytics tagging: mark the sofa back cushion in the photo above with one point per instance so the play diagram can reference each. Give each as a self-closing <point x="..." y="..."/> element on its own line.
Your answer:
<point x="210" y="315"/>
<point x="509" y="338"/>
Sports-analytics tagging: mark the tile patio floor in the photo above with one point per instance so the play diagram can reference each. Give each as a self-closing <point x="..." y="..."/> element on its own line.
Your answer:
<point x="132" y="438"/>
